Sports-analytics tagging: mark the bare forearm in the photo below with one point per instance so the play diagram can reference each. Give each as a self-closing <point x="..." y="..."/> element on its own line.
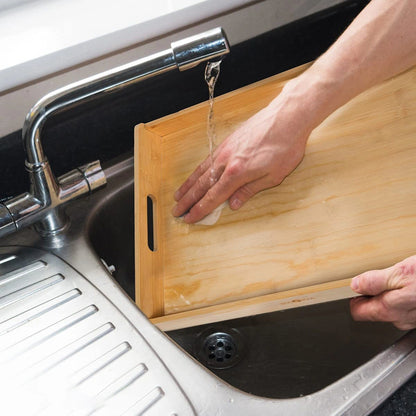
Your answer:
<point x="380" y="43"/>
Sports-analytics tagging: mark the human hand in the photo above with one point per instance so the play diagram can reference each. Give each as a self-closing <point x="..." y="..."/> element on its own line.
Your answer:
<point x="391" y="295"/>
<point x="258" y="155"/>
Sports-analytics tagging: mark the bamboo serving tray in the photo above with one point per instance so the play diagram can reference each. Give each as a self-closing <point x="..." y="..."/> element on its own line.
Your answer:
<point x="350" y="206"/>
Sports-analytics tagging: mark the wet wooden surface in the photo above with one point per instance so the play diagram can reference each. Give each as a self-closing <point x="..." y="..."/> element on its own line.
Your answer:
<point x="347" y="208"/>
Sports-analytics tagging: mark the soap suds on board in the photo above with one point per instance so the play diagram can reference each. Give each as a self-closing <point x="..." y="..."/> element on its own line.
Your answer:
<point x="210" y="219"/>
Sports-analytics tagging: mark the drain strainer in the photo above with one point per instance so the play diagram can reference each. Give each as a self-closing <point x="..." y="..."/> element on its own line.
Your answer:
<point x="219" y="349"/>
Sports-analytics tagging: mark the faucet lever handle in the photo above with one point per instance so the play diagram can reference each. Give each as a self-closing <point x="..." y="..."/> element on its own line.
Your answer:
<point x="94" y="175"/>
<point x="82" y="180"/>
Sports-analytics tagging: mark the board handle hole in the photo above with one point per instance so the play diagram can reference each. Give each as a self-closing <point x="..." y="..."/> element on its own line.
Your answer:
<point x="151" y="223"/>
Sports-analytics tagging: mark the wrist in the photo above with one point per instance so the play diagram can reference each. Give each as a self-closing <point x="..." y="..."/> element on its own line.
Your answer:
<point x="311" y="97"/>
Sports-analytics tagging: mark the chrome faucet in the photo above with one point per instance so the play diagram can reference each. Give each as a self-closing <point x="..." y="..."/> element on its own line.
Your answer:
<point x="43" y="205"/>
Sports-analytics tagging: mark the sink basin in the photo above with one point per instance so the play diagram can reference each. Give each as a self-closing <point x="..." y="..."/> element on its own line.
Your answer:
<point x="312" y="360"/>
<point x="283" y="354"/>
<point x="111" y="231"/>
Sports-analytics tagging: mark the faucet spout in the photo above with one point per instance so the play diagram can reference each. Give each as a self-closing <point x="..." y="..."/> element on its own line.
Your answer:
<point x="42" y="205"/>
<point x="208" y="46"/>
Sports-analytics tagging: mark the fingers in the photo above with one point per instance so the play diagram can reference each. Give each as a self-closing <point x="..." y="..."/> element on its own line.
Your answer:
<point x="380" y="308"/>
<point x="192" y="179"/>
<point x="214" y="196"/>
<point x="201" y="170"/>
<point x="243" y="194"/>
<point x="233" y="185"/>
<point x="375" y="282"/>
<point x="200" y="188"/>
<point x="392" y="295"/>
<point x="370" y="309"/>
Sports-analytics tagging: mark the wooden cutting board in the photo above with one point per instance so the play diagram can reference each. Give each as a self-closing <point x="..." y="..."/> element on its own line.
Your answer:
<point x="350" y="206"/>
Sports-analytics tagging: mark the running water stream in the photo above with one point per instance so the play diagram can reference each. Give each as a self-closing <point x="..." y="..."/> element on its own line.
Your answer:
<point x="212" y="71"/>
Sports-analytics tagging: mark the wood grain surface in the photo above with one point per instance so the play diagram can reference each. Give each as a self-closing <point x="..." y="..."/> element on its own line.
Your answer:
<point x="350" y="206"/>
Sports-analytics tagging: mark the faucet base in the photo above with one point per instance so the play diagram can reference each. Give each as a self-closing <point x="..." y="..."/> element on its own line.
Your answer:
<point x="54" y="222"/>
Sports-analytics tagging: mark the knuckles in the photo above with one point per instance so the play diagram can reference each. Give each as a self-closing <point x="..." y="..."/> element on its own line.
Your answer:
<point x="407" y="267"/>
<point x="209" y="199"/>
<point x="368" y="283"/>
<point x="404" y="274"/>
<point x="234" y="169"/>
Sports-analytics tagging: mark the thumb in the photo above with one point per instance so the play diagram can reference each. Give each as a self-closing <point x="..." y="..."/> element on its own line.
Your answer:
<point x="374" y="282"/>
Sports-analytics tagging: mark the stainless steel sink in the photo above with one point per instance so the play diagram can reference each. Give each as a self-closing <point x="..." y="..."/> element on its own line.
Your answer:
<point x="312" y="360"/>
<point x="280" y="355"/>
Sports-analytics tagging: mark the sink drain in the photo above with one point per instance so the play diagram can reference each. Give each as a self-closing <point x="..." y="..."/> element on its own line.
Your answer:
<point x="219" y="349"/>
